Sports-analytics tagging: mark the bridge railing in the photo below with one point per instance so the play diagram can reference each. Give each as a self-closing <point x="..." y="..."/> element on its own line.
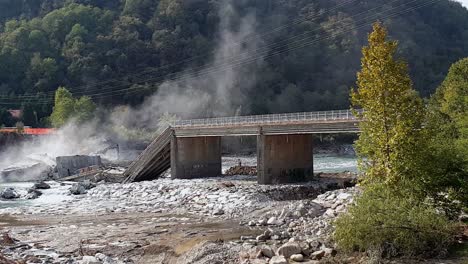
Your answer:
<point x="269" y="119"/>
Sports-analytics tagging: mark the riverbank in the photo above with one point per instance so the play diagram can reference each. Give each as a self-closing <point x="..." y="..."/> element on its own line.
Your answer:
<point x="163" y="219"/>
<point x="216" y="220"/>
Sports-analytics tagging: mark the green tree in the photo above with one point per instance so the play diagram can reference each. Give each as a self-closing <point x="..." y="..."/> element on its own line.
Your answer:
<point x="389" y="143"/>
<point x="447" y="130"/>
<point x="64" y="107"/>
<point x="67" y="108"/>
<point x="84" y="109"/>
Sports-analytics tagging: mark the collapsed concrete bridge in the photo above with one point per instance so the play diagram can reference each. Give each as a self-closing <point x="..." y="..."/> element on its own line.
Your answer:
<point x="192" y="148"/>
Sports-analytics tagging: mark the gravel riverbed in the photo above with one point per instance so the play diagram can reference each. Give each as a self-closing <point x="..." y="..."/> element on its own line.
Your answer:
<point x="228" y="219"/>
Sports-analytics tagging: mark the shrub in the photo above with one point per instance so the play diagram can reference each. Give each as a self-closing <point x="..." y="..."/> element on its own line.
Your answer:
<point x="393" y="225"/>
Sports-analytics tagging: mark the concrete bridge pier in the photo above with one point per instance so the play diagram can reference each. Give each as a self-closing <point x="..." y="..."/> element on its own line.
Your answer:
<point x="195" y="157"/>
<point x="284" y="158"/>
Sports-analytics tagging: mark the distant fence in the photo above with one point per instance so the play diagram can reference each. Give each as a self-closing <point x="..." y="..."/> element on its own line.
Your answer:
<point x="29" y="130"/>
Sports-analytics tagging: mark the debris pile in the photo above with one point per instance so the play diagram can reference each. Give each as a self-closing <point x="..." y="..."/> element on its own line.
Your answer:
<point x="242" y="170"/>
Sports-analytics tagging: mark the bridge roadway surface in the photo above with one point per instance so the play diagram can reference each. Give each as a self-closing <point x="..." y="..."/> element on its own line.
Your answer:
<point x="192" y="148"/>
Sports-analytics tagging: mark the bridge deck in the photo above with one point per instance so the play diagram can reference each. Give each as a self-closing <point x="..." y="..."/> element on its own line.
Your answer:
<point x="156" y="158"/>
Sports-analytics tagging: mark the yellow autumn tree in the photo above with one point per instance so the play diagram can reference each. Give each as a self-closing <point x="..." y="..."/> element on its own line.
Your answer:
<point x="392" y="216"/>
<point x="388" y="145"/>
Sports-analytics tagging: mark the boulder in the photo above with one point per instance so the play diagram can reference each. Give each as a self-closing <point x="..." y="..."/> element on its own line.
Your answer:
<point x="77" y="189"/>
<point x="267" y="251"/>
<point x="273" y="221"/>
<point x="81" y="187"/>
<point x="33" y="194"/>
<point x="297" y="258"/>
<point x="329" y="252"/>
<point x="218" y="212"/>
<point x="89" y="260"/>
<point x="41" y="186"/>
<point x="344" y="196"/>
<point x="289" y="249"/>
<point x="88" y="184"/>
<point x="278" y="260"/>
<point x="262" y="237"/>
<point x="9" y="193"/>
<point x="317" y="255"/>
<point x="100" y="256"/>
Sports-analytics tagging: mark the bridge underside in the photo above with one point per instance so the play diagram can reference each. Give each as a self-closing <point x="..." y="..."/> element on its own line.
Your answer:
<point x="284" y="151"/>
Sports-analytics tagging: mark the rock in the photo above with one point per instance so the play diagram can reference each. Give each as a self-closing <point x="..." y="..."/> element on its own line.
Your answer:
<point x="33" y="194"/>
<point x="251" y="223"/>
<point x="218" y="212"/>
<point x="263" y="222"/>
<point x="278" y="260"/>
<point x="88" y="184"/>
<point x="306" y="250"/>
<point x="81" y="187"/>
<point x="262" y="238"/>
<point x="77" y="189"/>
<point x="244" y="238"/>
<point x="100" y="256"/>
<point x="329" y="252"/>
<point x="315" y="244"/>
<point x="41" y="186"/>
<point x="108" y="260"/>
<point x="344" y="196"/>
<point x="289" y="249"/>
<point x="285" y="234"/>
<point x="9" y="193"/>
<point x="317" y="255"/>
<point x="267" y="251"/>
<point x="273" y="221"/>
<point x="89" y="260"/>
<point x="330" y="213"/>
<point x="297" y="257"/>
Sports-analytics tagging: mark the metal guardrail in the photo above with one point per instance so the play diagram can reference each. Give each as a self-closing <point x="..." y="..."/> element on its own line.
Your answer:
<point x="269" y="119"/>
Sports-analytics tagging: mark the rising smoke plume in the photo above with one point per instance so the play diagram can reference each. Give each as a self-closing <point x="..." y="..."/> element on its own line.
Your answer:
<point x="218" y="89"/>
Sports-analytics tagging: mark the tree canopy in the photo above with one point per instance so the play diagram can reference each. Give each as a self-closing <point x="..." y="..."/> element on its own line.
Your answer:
<point x="66" y="108"/>
<point x="118" y="52"/>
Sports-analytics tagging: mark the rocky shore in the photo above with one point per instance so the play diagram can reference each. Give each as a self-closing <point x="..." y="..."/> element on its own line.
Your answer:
<point x="258" y="224"/>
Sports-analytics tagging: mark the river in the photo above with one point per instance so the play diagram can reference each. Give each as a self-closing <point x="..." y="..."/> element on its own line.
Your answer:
<point x="58" y="193"/>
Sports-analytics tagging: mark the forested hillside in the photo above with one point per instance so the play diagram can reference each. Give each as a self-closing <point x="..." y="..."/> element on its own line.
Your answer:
<point x="305" y="56"/>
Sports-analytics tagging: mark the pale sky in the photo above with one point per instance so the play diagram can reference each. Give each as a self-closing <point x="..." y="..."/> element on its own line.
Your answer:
<point x="464" y="2"/>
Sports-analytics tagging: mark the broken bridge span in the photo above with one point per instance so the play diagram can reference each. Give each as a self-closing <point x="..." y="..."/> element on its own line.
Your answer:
<point x="192" y="148"/>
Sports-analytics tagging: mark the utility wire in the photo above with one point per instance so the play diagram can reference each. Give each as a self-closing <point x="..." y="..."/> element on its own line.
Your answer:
<point x="298" y="45"/>
<point x="231" y="45"/>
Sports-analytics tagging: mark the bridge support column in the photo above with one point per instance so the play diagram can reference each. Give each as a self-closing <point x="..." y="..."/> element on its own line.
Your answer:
<point x="196" y="157"/>
<point x="284" y="158"/>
